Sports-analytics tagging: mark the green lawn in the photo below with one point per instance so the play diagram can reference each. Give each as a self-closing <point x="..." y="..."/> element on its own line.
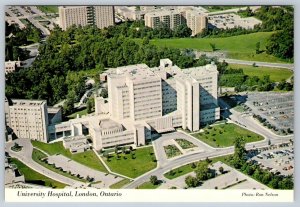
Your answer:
<point x="238" y="47"/>
<point x="224" y="135"/>
<point x="74" y="115"/>
<point x="34" y="177"/>
<point x="220" y="8"/>
<point x="276" y="74"/>
<point x="88" y="158"/>
<point x="142" y="163"/>
<point x="148" y="185"/>
<point x="119" y="184"/>
<point x="48" y="9"/>
<point x="185" y="169"/>
<point x="38" y="156"/>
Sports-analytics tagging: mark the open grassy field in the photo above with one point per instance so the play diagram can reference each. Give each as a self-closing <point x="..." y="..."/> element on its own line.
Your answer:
<point x="185" y="169"/>
<point x="88" y="158"/>
<point x="223" y="135"/>
<point x="276" y="74"/>
<point x="48" y="9"/>
<point x="126" y="165"/>
<point x="237" y="47"/>
<point x="34" y="177"/>
<point x="119" y="184"/>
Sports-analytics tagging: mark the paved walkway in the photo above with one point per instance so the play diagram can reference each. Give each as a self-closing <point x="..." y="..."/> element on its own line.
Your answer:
<point x="25" y="156"/>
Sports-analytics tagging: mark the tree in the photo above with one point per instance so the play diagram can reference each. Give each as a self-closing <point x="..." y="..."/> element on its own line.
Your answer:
<point x="213" y="46"/>
<point x="191" y="181"/>
<point x="257" y="50"/>
<point x="221" y="170"/>
<point x="104" y="93"/>
<point x="239" y="156"/>
<point x="202" y="170"/>
<point x="153" y="179"/>
<point x="182" y="31"/>
<point x="90" y="105"/>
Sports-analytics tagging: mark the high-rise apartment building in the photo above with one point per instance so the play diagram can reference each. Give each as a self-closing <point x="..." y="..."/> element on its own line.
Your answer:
<point x="101" y="16"/>
<point x="196" y="21"/>
<point x="170" y="18"/>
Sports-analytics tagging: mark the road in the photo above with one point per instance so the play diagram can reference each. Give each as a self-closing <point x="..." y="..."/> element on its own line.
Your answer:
<point x="253" y="8"/>
<point x="264" y="64"/>
<point x="36" y="23"/>
<point x="246" y="122"/>
<point x="25" y="157"/>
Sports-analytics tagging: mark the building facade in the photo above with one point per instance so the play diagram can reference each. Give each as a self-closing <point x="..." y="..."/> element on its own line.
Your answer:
<point x="101" y="16"/>
<point x="11" y="66"/>
<point x="169" y="18"/>
<point x="144" y="102"/>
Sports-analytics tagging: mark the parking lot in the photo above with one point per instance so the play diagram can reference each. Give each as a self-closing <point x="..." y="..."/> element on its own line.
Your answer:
<point x="223" y="21"/>
<point x="276" y="108"/>
<point x="278" y="161"/>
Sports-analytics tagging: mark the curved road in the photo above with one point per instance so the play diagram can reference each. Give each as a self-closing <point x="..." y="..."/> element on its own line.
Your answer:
<point x="246" y="122"/>
<point x="25" y="157"/>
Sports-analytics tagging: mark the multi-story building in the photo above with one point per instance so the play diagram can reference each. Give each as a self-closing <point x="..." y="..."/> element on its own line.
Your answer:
<point x="101" y="16"/>
<point x="142" y="102"/>
<point x="196" y="21"/>
<point x="11" y="66"/>
<point x="169" y="18"/>
<point x="30" y="118"/>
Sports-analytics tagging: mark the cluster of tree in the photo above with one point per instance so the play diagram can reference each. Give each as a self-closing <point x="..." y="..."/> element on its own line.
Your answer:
<point x="220" y="32"/>
<point x="236" y="78"/>
<point x="284" y="85"/>
<point x="239" y="161"/>
<point x="246" y="13"/>
<point x="275" y="18"/>
<point x="137" y="29"/>
<point x="202" y="171"/>
<point x="15" y="37"/>
<point x="77" y="49"/>
<point x="280" y="19"/>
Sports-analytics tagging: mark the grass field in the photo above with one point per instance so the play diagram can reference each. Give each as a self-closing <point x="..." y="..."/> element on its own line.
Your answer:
<point x="88" y="158"/>
<point x="142" y="163"/>
<point x="185" y="169"/>
<point x="38" y="156"/>
<point x="82" y="112"/>
<point x="237" y="47"/>
<point x="276" y="74"/>
<point x="224" y="135"/>
<point x="34" y="177"/>
<point x="119" y="184"/>
<point x="148" y="185"/>
<point x="48" y="9"/>
<point x="172" y="151"/>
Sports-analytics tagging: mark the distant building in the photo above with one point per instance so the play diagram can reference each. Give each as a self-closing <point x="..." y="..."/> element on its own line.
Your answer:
<point x="11" y="66"/>
<point x="30" y="118"/>
<point x="196" y="21"/>
<point x="101" y="16"/>
<point x="170" y="18"/>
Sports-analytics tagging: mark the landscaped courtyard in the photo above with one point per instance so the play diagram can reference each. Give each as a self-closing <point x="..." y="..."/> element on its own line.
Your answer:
<point x="132" y="164"/>
<point x="223" y="135"/>
<point x="184" y="144"/>
<point x="172" y="151"/>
